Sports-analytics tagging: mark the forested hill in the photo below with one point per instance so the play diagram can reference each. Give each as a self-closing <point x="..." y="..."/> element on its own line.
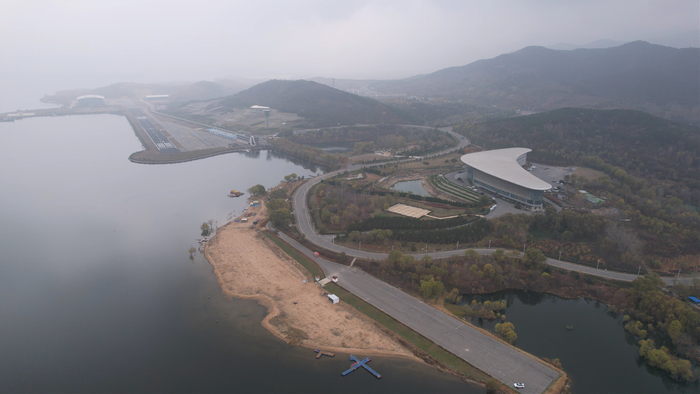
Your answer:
<point x="660" y="80"/>
<point x="321" y="105"/>
<point x="642" y="144"/>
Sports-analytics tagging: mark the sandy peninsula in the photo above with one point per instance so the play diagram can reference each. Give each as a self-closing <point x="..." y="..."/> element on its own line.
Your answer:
<point x="250" y="266"/>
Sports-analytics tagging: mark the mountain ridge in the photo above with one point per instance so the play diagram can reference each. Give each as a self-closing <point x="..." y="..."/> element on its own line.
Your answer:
<point x="653" y="78"/>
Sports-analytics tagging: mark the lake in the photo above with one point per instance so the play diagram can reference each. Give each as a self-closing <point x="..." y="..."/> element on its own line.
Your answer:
<point x="98" y="292"/>
<point x="598" y="355"/>
<point x="414" y="187"/>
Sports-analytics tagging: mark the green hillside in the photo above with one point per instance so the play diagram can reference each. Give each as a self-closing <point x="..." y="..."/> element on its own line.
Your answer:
<point x="320" y="105"/>
<point x="640" y="143"/>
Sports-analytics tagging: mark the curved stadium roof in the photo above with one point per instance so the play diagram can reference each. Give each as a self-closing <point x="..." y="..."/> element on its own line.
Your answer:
<point x="503" y="164"/>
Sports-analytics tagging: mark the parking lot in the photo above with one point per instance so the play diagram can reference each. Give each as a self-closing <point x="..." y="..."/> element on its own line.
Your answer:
<point x="550" y="174"/>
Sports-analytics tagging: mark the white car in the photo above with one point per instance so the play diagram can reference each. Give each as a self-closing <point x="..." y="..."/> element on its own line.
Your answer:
<point x="519" y="385"/>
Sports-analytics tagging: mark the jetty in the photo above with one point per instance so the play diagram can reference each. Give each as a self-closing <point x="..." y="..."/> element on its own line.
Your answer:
<point x="361" y="363"/>
<point x="322" y="353"/>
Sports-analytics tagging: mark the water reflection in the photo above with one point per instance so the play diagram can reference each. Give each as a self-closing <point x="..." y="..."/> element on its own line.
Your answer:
<point x="414" y="187"/>
<point x="98" y="292"/>
<point x="597" y="353"/>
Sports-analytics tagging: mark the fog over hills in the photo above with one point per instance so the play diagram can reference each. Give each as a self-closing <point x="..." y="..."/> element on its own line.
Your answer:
<point x="660" y="80"/>
<point x="689" y="39"/>
<point x="202" y="90"/>
<point x="322" y="105"/>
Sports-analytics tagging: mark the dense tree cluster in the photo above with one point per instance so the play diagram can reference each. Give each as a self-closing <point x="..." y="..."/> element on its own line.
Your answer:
<point x="507" y="331"/>
<point x="473" y="232"/>
<point x="652" y="314"/>
<point x="488" y="310"/>
<point x="651" y="166"/>
<point x="257" y="190"/>
<point x="368" y="138"/>
<point x="337" y="207"/>
<point x="661" y="358"/>
<point x="306" y="153"/>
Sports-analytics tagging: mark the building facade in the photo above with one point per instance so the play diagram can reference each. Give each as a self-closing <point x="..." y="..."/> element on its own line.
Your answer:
<point x="501" y="173"/>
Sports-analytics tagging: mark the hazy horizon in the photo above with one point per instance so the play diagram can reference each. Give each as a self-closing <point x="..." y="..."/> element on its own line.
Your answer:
<point x="85" y="44"/>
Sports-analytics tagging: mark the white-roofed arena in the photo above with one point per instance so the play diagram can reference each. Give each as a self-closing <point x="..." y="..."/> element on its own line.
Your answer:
<point x="500" y="171"/>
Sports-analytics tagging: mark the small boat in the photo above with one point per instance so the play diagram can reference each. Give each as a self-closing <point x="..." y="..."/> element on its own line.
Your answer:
<point x="235" y="193"/>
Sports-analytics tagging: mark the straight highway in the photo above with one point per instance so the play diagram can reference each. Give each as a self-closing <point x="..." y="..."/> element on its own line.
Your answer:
<point x="495" y="358"/>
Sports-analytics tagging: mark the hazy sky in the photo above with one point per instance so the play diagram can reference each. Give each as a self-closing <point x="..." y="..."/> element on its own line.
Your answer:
<point x="96" y="42"/>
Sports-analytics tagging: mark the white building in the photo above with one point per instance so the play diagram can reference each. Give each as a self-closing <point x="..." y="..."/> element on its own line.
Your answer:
<point x="90" y="101"/>
<point x="333" y="298"/>
<point x="500" y="171"/>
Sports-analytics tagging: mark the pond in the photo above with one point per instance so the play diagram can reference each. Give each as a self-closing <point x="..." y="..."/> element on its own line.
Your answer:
<point x="336" y="147"/>
<point x="414" y="187"/>
<point x="598" y="355"/>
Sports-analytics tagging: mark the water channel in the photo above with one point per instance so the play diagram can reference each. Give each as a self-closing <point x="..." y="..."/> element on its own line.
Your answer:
<point x="598" y="355"/>
<point x="98" y="292"/>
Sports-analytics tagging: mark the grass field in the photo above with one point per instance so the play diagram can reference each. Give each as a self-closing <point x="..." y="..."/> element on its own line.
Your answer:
<point x="310" y="266"/>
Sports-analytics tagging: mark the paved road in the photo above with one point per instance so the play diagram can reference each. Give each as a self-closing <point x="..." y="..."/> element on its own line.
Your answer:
<point x="500" y="361"/>
<point x="159" y="139"/>
<point x="304" y="224"/>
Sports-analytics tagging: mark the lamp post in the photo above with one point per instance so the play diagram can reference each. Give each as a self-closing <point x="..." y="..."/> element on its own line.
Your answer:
<point x="489" y="244"/>
<point x="560" y="255"/>
<point x="639" y="270"/>
<point x="679" y="273"/>
<point x="524" y="248"/>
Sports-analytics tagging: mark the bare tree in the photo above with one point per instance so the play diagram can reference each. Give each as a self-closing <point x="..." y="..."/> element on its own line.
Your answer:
<point x="626" y="241"/>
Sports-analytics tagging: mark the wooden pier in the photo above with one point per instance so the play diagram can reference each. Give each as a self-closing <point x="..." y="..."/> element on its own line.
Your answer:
<point x="322" y="353"/>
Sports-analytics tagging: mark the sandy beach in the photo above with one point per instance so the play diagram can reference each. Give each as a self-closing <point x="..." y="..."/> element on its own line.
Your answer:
<point x="250" y="266"/>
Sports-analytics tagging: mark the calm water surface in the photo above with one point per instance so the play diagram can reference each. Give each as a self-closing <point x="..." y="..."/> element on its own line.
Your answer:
<point x="597" y="354"/>
<point x="414" y="187"/>
<point x="99" y="294"/>
<point x="336" y="147"/>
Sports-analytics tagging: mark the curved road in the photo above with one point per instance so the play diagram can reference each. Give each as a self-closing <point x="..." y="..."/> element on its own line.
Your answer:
<point x="326" y="241"/>
<point x="500" y="361"/>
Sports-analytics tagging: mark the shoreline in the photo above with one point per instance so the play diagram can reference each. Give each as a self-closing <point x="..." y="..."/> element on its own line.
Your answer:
<point x="274" y="280"/>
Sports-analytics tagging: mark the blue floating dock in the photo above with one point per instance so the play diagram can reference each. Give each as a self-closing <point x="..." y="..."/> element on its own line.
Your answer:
<point x="361" y="363"/>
